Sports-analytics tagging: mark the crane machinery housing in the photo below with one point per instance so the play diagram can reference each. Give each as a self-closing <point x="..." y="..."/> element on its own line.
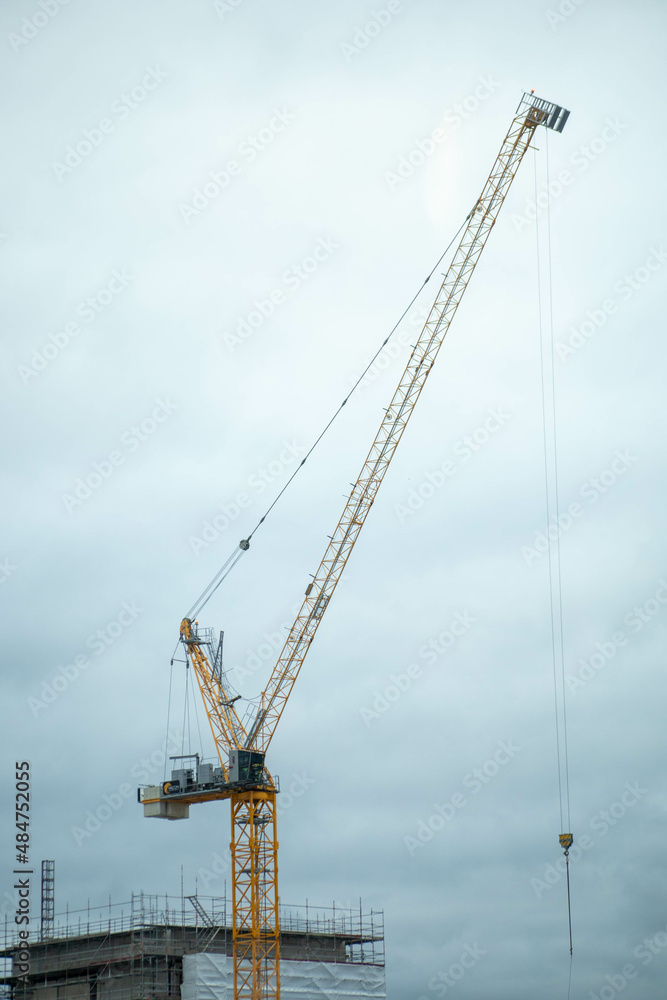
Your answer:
<point x="242" y="775"/>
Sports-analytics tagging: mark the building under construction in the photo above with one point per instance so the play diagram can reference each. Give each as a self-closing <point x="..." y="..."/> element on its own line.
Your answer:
<point x="180" y="948"/>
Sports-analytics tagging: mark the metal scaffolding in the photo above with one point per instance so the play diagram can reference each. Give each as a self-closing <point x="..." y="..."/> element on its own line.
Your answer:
<point x="48" y="898"/>
<point x="135" y="949"/>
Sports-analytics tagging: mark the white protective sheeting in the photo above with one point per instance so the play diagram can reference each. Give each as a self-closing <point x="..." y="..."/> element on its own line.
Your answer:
<point x="210" y="977"/>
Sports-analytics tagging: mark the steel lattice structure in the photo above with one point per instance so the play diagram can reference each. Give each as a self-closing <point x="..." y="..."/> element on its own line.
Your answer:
<point x="466" y="256"/>
<point x="255" y="894"/>
<point x="254" y="844"/>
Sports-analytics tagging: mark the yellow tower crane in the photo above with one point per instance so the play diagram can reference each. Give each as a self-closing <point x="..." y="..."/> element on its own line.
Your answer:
<point x="242" y="775"/>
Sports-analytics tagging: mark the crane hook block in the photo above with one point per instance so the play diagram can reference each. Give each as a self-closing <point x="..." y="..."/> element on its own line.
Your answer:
<point x="566" y="840"/>
<point x="244" y="544"/>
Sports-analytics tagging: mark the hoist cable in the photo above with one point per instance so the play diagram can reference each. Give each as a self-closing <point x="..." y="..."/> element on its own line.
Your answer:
<point x="186" y="715"/>
<point x="547" y="503"/>
<point x="194" y="702"/>
<point x="222" y="573"/>
<point x="363" y="374"/>
<point x="569" y="903"/>
<point x="555" y="594"/>
<point x="166" y="738"/>
<point x="555" y="441"/>
<point x="569" y="979"/>
<point x="226" y="569"/>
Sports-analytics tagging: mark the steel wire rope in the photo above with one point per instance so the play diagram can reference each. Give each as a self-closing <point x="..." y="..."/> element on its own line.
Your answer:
<point x="555" y="442"/>
<point x="557" y="647"/>
<point x="186" y="709"/>
<point x="201" y="742"/>
<point x="547" y="501"/>
<point x="558" y="562"/>
<point x="208" y="591"/>
<point x="243" y="546"/>
<point x="166" y="738"/>
<point x="363" y="374"/>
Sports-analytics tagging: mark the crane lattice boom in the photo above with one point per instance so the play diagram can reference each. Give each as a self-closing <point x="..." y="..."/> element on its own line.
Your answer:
<point x="424" y="353"/>
<point x="242" y="776"/>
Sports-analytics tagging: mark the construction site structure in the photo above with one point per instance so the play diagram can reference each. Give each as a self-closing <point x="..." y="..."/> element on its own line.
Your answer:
<point x="48" y="897"/>
<point x="241" y="774"/>
<point x="180" y="948"/>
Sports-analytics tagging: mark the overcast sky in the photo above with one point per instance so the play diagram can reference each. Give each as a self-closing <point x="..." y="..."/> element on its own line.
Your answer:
<point x="213" y="214"/>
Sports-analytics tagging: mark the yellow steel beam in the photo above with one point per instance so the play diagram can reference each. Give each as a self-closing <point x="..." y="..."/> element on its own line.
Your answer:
<point x="256" y="933"/>
<point x="319" y="593"/>
<point x="227" y="728"/>
<point x="191" y="800"/>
